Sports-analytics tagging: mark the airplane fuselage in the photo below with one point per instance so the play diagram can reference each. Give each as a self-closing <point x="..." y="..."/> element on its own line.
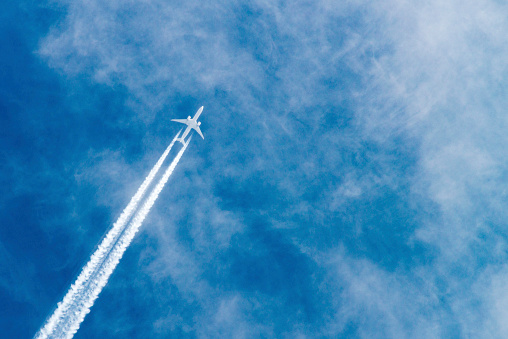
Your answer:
<point x="192" y="123"/>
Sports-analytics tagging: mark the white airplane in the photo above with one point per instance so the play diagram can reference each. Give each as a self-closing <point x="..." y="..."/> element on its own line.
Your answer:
<point x="191" y="123"/>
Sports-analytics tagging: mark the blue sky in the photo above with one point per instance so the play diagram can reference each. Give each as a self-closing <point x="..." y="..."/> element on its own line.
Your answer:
<point x="352" y="182"/>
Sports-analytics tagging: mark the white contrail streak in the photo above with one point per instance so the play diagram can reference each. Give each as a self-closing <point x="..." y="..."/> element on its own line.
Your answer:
<point x="65" y="309"/>
<point x="100" y="280"/>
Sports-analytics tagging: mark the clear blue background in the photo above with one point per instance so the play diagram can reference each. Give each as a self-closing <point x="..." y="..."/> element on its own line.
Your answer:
<point x="352" y="180"/>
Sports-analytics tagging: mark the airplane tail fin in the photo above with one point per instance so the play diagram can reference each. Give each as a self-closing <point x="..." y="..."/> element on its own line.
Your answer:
<point x="178" y="138"/>
<point x="184" y="143"/>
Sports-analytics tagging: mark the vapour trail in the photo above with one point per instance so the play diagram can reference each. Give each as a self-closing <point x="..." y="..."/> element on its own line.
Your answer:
<point x="82" y="308"/>
<point x="97" y="258"/>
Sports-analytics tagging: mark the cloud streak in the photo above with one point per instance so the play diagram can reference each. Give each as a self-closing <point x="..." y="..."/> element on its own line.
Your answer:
<point x="407" y="98"/>
<point x="65" y="321"/>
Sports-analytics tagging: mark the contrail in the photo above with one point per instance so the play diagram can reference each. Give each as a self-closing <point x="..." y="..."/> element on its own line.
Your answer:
<point x="100" y="280"/>
<point x="66" y="309"/>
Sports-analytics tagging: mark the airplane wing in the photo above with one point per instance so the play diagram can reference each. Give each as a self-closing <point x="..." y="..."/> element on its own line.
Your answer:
<point x="182" y="121"/>
<point x="199" y="131"/>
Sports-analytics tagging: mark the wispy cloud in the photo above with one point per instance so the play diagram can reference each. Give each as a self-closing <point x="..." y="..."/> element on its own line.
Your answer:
<point x="375" y="128"/>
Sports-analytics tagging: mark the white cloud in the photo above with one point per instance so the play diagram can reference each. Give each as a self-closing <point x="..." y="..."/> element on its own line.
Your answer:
<point x="431" y="73"/>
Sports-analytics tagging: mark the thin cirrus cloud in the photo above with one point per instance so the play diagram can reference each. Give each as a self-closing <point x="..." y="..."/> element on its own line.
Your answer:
<point x="374" y="131"/>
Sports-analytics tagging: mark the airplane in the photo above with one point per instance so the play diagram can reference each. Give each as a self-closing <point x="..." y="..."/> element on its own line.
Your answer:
<point x="191" y="123"/>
